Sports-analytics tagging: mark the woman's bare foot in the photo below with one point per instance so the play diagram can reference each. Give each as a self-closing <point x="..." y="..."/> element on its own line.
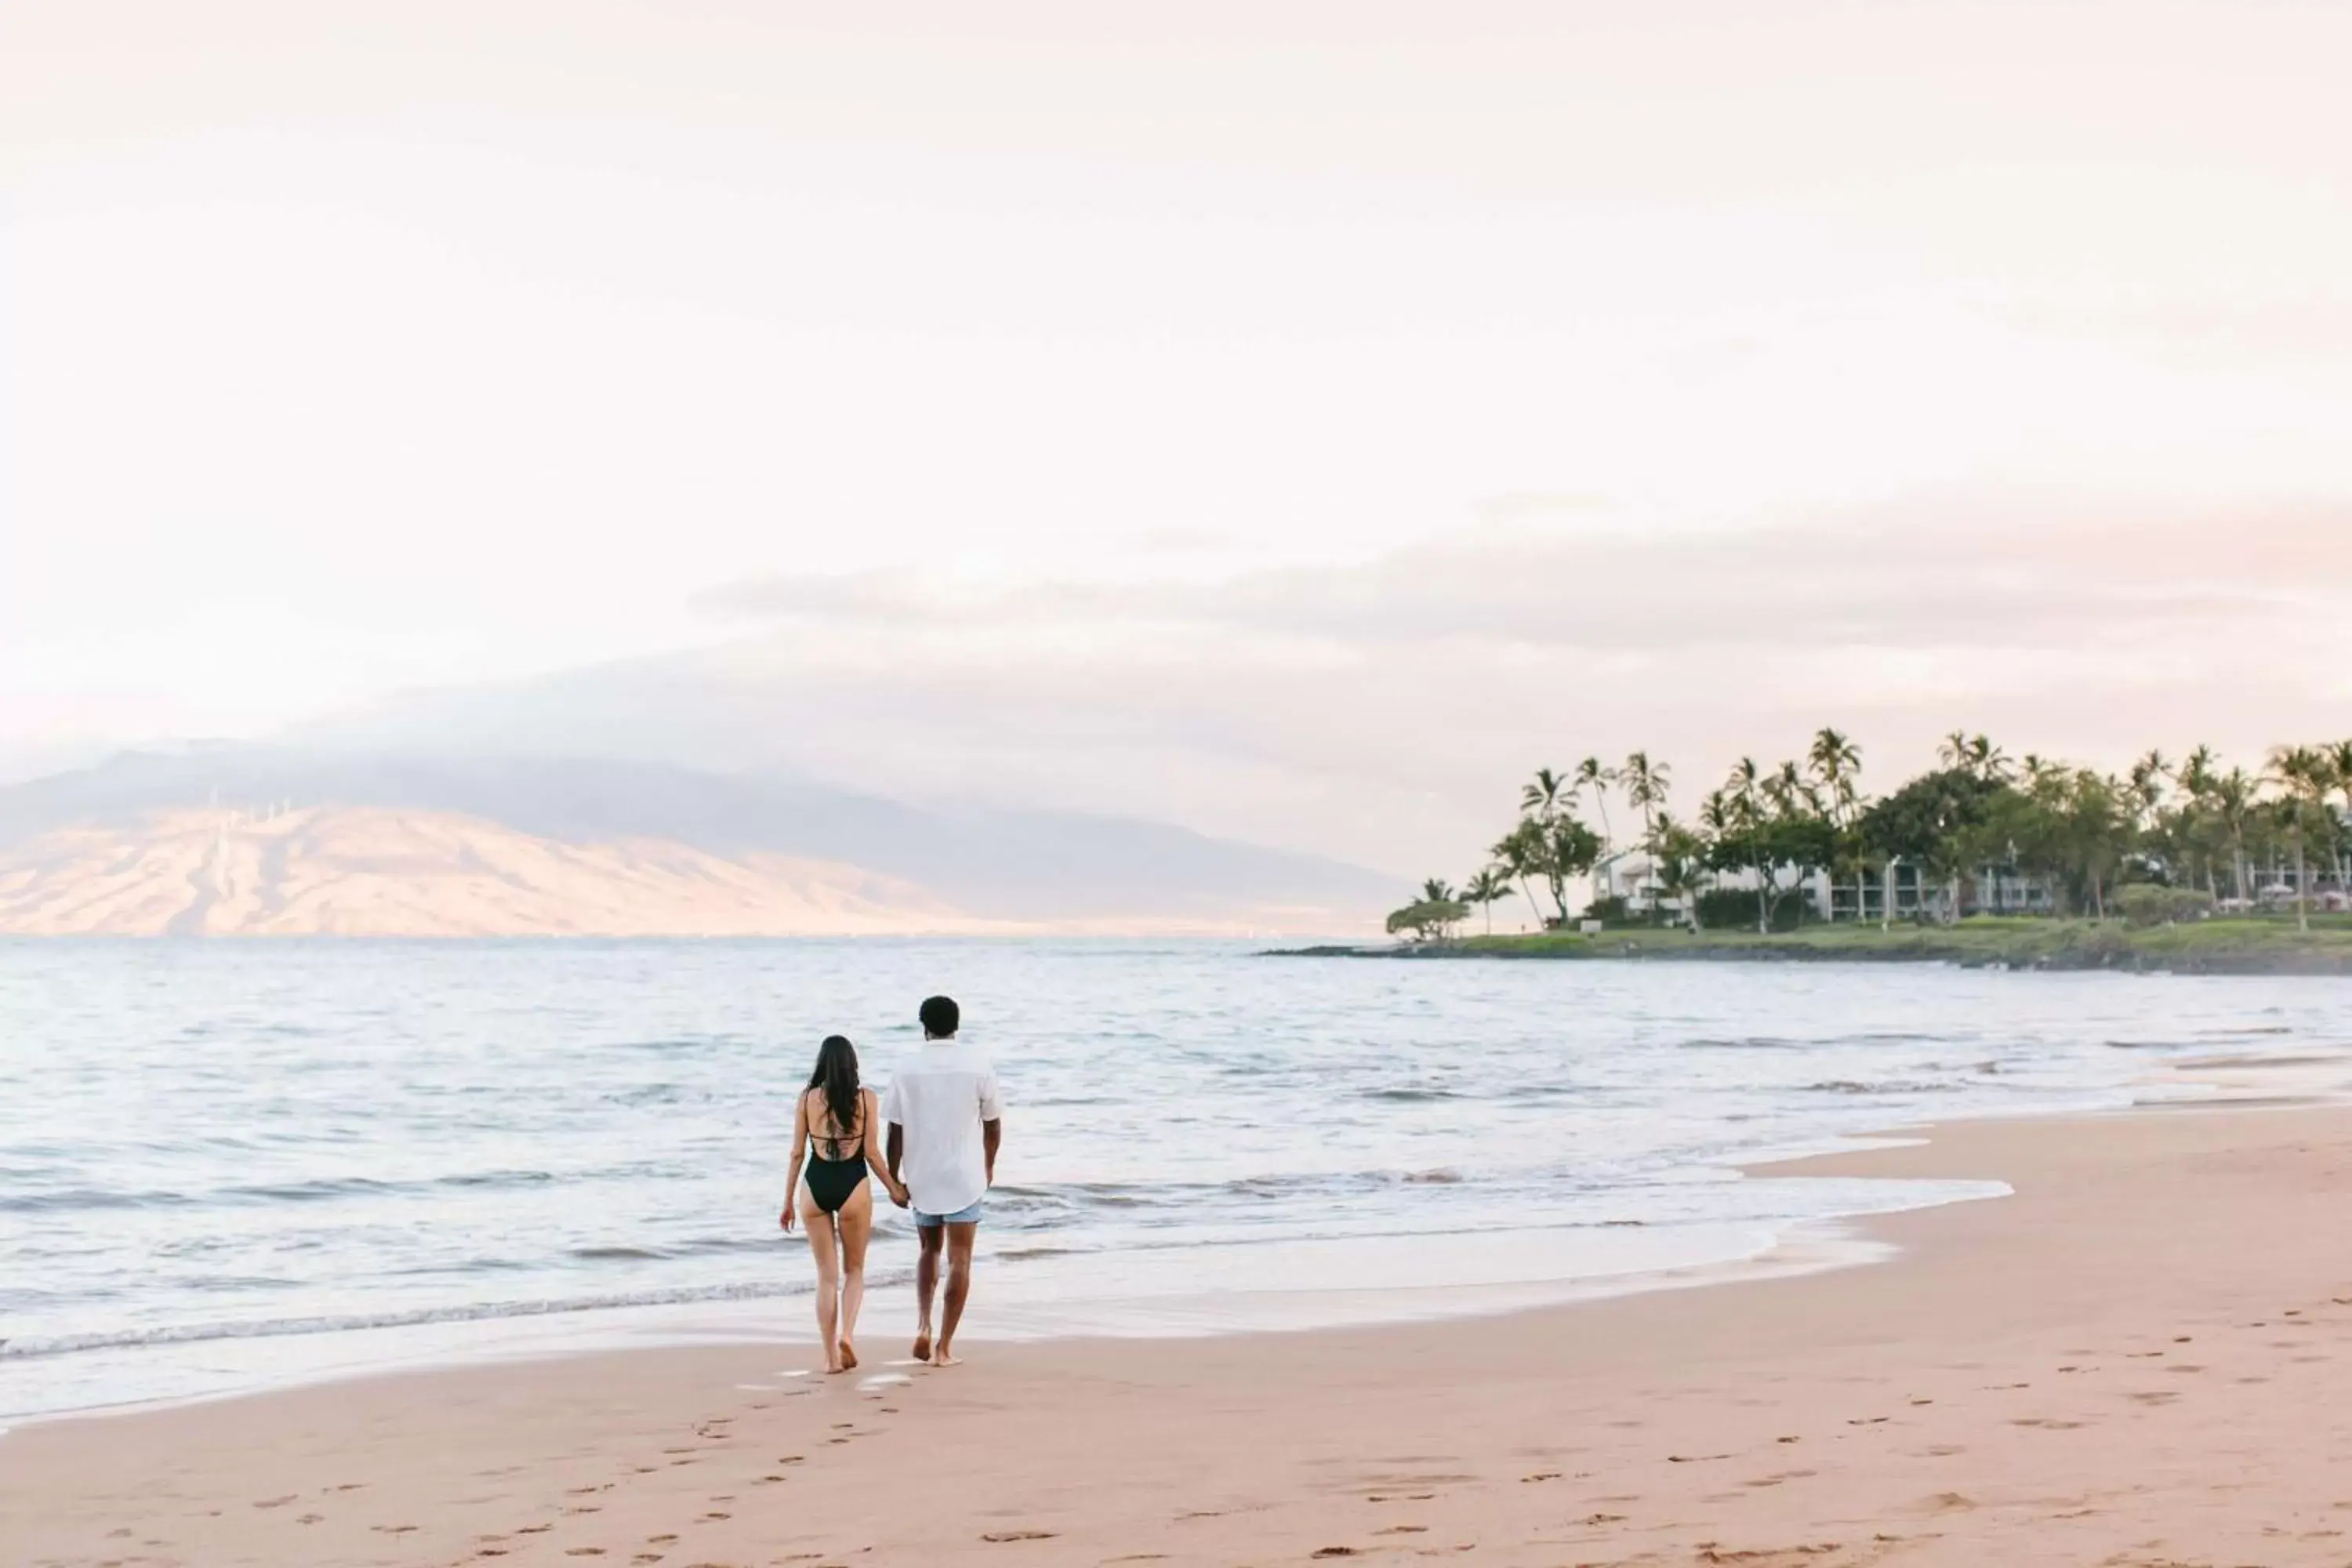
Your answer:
<point x="923" y="1344"/>
<point x="848" y="1356"/>
<point x="832" y="1367"/>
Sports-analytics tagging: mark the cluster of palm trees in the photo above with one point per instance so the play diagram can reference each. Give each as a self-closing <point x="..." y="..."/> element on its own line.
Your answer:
<point x="2074" y="835"/>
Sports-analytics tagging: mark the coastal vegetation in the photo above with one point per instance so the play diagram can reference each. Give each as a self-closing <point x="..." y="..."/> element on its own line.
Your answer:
<point x="1799" y="855"/>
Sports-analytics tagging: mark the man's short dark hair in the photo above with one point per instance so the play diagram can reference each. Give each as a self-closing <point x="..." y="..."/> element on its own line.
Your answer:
<point x="940" y="1015"/>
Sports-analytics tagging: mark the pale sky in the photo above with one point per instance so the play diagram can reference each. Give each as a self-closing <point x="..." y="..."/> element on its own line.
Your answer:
<point x="350" y="348"/>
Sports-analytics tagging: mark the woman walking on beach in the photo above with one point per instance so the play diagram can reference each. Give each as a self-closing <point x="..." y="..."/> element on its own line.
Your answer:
<point x="831" y="1131"/>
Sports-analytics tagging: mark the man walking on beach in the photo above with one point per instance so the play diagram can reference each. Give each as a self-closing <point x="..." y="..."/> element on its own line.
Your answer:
<point x="946" y="1122"/>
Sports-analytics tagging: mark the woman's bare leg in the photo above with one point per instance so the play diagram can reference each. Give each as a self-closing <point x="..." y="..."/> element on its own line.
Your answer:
<point x="824" y="1242"/>
<point x="856" y="1223"/>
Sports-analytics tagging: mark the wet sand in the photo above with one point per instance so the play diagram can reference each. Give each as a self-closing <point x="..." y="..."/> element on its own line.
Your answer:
<point x="2143" y="1358"/>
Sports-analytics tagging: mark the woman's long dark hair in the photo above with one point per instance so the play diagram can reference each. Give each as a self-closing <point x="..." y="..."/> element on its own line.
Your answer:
<point x="837" y="1074"/>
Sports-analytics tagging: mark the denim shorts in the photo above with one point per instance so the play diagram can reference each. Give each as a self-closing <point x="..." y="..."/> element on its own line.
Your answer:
<point x="962" y="1217"/>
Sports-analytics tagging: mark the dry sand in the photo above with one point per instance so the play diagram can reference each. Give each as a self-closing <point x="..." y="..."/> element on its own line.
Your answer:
<point x="2145" y="1357"/>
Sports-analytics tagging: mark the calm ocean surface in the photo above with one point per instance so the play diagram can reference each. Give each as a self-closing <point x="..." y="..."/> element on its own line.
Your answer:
<point x="224" y="1164"/>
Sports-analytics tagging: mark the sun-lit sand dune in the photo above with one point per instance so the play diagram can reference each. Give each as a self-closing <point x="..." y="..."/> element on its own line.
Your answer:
<point x="387" y="872"/>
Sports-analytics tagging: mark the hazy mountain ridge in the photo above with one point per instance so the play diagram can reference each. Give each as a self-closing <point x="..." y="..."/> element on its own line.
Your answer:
<point x="374" y="871"/>
<point x="237" y="838"/>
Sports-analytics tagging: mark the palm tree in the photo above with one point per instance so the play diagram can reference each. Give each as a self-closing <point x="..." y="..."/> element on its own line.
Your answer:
<point x="2339" y="759"/>
<point x="1489" y="886"/>
<point x="2305" y="780"/>
<point x="1436" y="891"/>
<point x="1520" y="853"/>
<point x="1647" y="783"/>
<point x="1540" y="797"/>
<point x="1974" y="755"/>
<point x="1591" y="775"/>
<point x="2233" y="804"/>
<point x="1788" y="792"/>
<point x="1836" y="762"/>
<point x="1679" y="855"/>
<point x="2198" y="771"/>
<point x="2148" y="777"/>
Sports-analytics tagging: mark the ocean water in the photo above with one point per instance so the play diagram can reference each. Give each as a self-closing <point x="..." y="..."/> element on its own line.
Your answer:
<point x="225" y="1165"/>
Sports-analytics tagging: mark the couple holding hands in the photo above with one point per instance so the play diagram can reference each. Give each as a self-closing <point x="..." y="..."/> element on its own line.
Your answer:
<point x="945" y="1122"/>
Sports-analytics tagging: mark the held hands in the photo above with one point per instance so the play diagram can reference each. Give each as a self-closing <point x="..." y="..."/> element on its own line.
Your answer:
<point x="899" y="1194"/>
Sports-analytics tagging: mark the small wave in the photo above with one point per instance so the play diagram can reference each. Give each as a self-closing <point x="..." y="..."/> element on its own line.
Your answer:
<point x="34" y="1349"/>
<point x="1409" y="1096"/>
<point x="1853" y="1086"/>
<point x="701" y="1246"/>
<point x="320" y="1189"/>
<point x="78" y="1199"/>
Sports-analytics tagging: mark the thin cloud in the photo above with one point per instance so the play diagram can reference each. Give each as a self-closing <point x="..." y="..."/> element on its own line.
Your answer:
<point x="1383" y="713"/>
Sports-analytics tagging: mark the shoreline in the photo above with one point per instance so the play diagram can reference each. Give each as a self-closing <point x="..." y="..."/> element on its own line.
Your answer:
<point x="2269" y="949"/>
<point x="1647" y="1259"/>
<point x="1821" y="1413"/>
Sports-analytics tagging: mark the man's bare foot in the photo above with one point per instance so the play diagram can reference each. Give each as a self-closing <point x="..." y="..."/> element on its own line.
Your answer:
<point x="848" y="1356"/>
<point x="922" y="1345"/>
<point x="946" y="1357"/>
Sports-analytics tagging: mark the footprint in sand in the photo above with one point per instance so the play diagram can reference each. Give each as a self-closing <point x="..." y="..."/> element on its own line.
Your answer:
<point x="660" y="1540"/>
<point x="1001" y="1536"/>
<point x="276" y="1502"/>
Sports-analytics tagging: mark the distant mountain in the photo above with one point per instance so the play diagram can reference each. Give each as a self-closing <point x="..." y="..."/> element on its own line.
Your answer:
<point x="378" y="871"/>
<point x="810" y="857"/>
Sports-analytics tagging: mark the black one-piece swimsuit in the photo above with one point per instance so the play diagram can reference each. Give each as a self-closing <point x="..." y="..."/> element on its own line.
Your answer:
<point x="833" y="1182"/>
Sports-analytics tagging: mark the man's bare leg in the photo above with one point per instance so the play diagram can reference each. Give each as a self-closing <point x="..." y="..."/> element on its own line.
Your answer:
<point x="959" y="1240"/>
<point x="927" y="1283"/>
